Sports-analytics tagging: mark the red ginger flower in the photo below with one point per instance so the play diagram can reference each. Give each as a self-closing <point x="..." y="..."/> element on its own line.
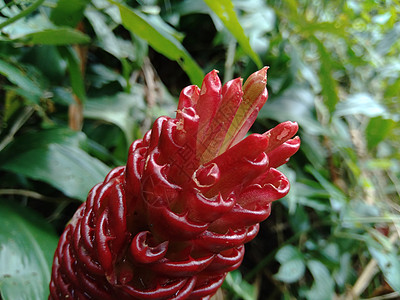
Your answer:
<point x="172" y="222"/>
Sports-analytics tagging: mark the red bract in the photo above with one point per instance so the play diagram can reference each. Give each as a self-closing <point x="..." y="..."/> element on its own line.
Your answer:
<point x="172" y="222"/>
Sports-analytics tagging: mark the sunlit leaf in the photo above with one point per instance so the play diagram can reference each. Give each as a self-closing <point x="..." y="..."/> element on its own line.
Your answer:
<point x="388" y="259"/>
<point x="55" y="36"/>
<point x="160" y="40"/>
<point x="27" y="246"/>
<point x="377" y="129"/>
<point x="239" y="287"/>
<point x="323" y="286"/>
<point x="106" y="37"/>
<point x="225" y="11"/>
<point x="291" y="271"/>
<point x="360" y="103"/>
<point x="21" y="79"/>
<point x="292" y="266"/>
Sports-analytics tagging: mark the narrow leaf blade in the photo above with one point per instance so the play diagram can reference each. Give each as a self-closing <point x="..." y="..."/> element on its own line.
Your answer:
<point x="20" y="79"/>
<point x="56" y="36"/>
<point x="162" y="41"/>
<point x="225" y="11"/>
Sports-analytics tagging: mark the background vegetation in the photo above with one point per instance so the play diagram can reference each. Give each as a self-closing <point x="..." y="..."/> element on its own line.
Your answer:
<point x="80" y="80"/>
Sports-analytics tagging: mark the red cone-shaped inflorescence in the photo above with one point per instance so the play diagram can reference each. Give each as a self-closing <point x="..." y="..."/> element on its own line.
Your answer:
<point x="173" y="221"/>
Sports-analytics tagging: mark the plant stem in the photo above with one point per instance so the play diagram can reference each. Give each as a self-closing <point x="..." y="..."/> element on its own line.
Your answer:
<point x="34" y="195"/>
<point x="25" y="115"/>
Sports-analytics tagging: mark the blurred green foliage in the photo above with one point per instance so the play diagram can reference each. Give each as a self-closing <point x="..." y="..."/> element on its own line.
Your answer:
<point x="80" y="80"/>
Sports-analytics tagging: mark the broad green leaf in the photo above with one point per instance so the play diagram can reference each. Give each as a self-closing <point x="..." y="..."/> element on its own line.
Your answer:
<point x="162" y="41"/>
<point x="377" y="129"/>
<point x="388" y="262"/>
<point x="323" y="286"/>
<point x="225" y="11"/>
<point x="47" y="60"/>
<point x="287" y="253"/>
<point x="68" y="12"/>
<point x="21" y="79"/>
<point x="239" y="287"/>
<point x="43" y="138"/>
<point x="123" y="110"/>
<point x="67" y="168"/>
<point x="27" y="245"/>
<point x="292" y="264"/>
<point x="291" y="271"/>
<point x="75" y="73"/>
<point x="55" y="36"/>
<point x="53" y="156"/>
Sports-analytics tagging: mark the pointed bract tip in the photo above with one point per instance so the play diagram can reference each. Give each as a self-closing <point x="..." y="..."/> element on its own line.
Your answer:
<point x="255" y="84"/>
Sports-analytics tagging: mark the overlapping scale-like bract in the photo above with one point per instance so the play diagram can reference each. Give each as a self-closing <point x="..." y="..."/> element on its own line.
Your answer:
<point x="173" y="221"/>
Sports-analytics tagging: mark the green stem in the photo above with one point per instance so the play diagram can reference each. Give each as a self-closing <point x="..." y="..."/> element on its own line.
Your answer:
<point x="22" y="14"/>
<point x="23" y="117"/>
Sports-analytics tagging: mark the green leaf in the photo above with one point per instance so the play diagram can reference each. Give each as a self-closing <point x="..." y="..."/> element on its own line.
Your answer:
<point x="389" y="264"/>
<point x="105" y="35"/>
<point x="287" y="253"/>
<point x="43" y="138"/>
<point x="161" y="41"/>
<point x="377" y="129"/>
<point x="328" y="83"/>
<point x="123" y="110"/>
<point x="337" y="197"/>
<point x="295" y="104"/>
<point x="239" y="287"/>
<point x="21" y="79"/>
<point x="21" y="14"/>
<point x="75" y="74"/>
<point x="387" y="256"/>
<point x="27" y="245"/>
<point x="360" y="104"/>
<point x="53" y="156"/>
<point x="55" y="36"/>
<point x="292" y="264"/>
<point x="291" y="271"/>
<point x="323" y="287"/>
<point x="68" y="12"/>
<point x="225" y="11"/>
